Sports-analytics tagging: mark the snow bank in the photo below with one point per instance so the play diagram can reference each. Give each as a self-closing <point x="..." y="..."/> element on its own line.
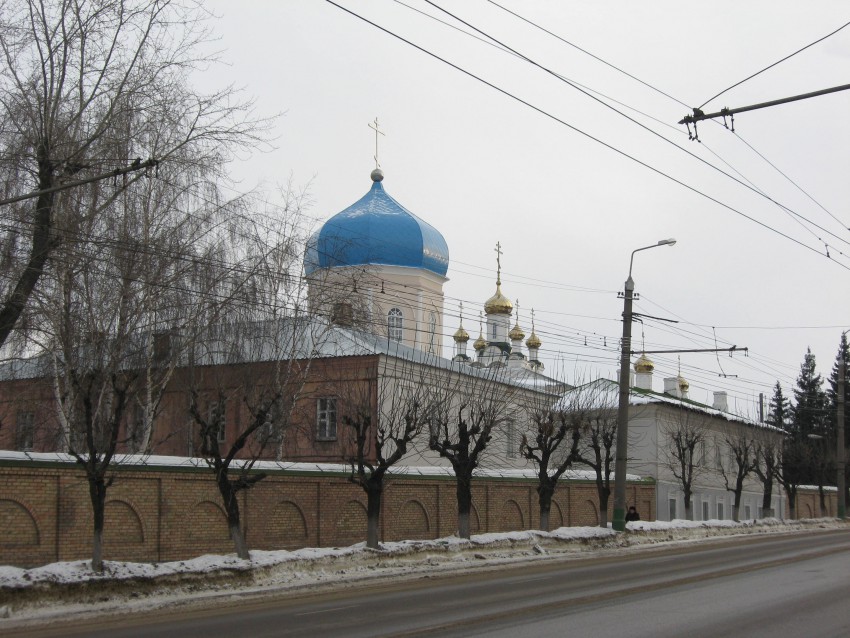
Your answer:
<point x="72" y="588"/>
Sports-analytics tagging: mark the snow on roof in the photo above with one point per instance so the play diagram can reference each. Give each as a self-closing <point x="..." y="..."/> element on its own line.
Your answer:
<point x="302" y="338"/>
<point x="605" y="393"/>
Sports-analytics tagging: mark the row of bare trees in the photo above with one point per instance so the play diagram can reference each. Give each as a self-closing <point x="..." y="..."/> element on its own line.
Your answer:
<point x="736" y="454"/>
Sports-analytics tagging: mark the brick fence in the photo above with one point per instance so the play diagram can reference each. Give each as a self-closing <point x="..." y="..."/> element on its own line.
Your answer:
<point x="163" y="513"/>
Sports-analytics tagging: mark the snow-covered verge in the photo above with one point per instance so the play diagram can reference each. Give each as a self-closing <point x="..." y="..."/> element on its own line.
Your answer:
<point x="72" y="589"/>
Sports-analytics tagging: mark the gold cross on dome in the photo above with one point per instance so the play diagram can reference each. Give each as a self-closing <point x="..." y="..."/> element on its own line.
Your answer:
<point x="498" y="250"/>
<point x="376" y="127"/>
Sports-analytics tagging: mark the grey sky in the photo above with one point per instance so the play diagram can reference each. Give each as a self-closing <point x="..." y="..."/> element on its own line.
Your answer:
<point x="568" y="211"/>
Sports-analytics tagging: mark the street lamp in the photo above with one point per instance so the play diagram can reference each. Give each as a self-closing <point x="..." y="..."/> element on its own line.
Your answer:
<point x="839" y="427"/>
<point x="619" y="522"/>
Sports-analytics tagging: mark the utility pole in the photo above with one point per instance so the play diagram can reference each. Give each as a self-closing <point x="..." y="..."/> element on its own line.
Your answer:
<point x="839" y="452"/>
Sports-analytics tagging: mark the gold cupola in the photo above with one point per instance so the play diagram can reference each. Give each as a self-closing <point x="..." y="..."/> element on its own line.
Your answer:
<point x="498" y="304"/>
<point x="461" y="336"/>
<point x="533" y="340"/>
<point x="681" y="382"/>
<point x="516" y="333"/>
<point x="480" y="343"/>
<point x="644" y="365"/>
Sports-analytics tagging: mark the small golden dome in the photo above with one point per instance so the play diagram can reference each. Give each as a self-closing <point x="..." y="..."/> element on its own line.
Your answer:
<point x="480" y="343"/>
<point x="644" y="364"/>
<point x="533" y="340"/>
<point x="461" y="336"/>
<point x="516" y="333"/>
<point x="683" y="384"/>
<point x="498" y="304"/>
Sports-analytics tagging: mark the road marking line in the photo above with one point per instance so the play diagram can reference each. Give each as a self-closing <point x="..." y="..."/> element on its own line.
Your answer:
<point x="324" y="611"/>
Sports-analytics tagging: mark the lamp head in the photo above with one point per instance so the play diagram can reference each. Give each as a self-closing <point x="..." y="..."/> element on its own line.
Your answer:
<point x="667" y="242"/>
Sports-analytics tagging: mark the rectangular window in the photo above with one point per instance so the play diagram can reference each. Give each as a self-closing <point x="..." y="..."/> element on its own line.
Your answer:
<point x="748" y="512"/>
<point x="720" y="511"/>
<point x="326" y="419"/>
<point x="706" y="511"/>
<point x="672" y="507"/>
<point x="718" y="457"/>
<point x="25" y="431"/>
<point x="395" y="325"/>
<point x="702" y="453"/>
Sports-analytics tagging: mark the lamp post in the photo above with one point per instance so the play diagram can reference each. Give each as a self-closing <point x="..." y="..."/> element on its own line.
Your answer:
<point x="839" y="427"/>
<point x="619" y="522"/>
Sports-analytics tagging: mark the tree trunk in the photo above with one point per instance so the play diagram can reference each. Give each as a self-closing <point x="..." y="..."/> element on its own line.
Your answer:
<point x="373" y="514"/>
<point x="14" y="305"/>
<point x="464" y="505"/>
<point x="604" y="496"/>
<point x="97" y="493"/>
<point x="238" y="538"/>
<point x="545" y="490"/>
<point x="231" y="505"/>
<point x="767" y="500"/>
<point x="689" y="507"/>
<point x="822" y="500"/>
<point x="544" y="518"/>
<point x="736" y="504"/>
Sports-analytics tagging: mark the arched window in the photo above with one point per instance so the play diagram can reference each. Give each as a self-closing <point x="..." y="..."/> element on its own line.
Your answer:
<point x="395" y="324"/>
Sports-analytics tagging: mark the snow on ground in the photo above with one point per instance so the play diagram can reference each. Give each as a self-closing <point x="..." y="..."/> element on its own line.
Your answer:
<point x="71" y="589"/>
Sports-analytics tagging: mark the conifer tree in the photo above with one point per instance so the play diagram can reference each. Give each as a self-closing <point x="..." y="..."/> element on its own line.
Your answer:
<point x="809" y="412"/>
<point x="832" y="390"/>
<point x="779" y="411"/>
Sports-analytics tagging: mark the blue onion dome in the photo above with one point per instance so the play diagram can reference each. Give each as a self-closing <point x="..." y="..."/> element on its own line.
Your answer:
<point x="377" y="230"/>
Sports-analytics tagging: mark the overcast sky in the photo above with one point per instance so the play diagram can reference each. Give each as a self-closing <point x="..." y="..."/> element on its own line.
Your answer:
<point x="568" y="209"/>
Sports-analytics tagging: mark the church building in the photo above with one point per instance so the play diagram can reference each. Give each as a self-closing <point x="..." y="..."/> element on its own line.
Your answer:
<point x="378" y="267"/>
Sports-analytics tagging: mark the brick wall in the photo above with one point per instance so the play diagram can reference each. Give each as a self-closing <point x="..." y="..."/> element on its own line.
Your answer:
<point x="165" y="513"/>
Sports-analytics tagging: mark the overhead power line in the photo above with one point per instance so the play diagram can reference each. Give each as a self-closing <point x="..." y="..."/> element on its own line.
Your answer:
<point x="787" y="57"/>
<point x="588" y="135"/>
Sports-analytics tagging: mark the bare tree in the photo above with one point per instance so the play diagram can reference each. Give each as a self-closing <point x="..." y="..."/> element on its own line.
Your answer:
<point x="581" y="428"/>
<point x="597" y="450"/>
<point x="793" y="466"/>
<point x="467" y="411"/>
<point x="766" y="468"/>
<point x="685" y="433"/>
<point x="87" y="87"/>
<point x="745" y="461"/>
<point x="384" y="418"/>
<point x="550" y="429"/>
<point x="247" y="371"/>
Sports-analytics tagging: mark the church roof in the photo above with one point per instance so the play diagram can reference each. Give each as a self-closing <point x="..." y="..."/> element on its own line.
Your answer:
<point x="377" y="230"/>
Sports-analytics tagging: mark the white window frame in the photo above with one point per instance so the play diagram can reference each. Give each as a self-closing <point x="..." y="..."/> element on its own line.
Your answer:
<point x="671" y="507"/>
<point x="326" y="419"/>
<point x="395" y="324"/>
<point x="706" y="510"/>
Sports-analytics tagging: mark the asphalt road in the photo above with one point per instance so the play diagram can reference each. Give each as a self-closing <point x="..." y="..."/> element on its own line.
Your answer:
<point x="759" y="586"/>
